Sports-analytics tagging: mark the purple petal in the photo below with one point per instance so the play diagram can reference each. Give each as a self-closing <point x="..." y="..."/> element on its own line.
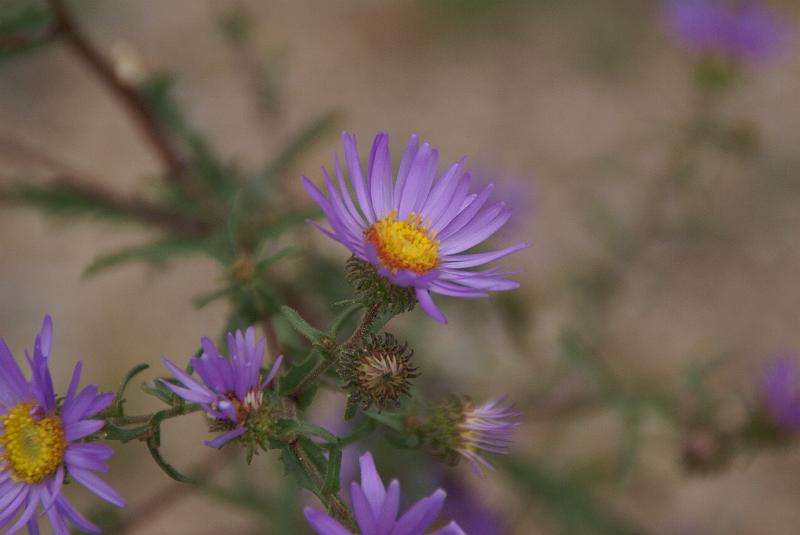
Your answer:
<point x="421" y="515"/>
<point x="30" y="509"/>
<point x="74" y="516"/>
<point x="84" y="428"/>
<point x="409" y="155"/>
<point x="430" y="308"/>
<point x="357" y="176"/>
<point x="273" y="372"/>
<point x="371" y="483"/>
<point x="450" y="529"/>
<point x="380" y="176"/>
<point x="365" y="516"/>
<point x="391" y="505"/>
<point x="478" y="259"/>
<point x="13" y="385"/>
<point x="323" y="524"/>
<point x="224" y="438"/>
<point x="97" y="485"/>
<point x="74" y="382"/>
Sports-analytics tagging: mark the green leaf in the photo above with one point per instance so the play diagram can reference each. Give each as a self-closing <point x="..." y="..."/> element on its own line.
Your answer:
<point x="261" y="265"/>
<point x="158" y="253"/>
<point x="124" y="434"/>
<point x="24" y="25"/>
<point x="289" y="382"/>
<point x="62" y="199"/>
<point x="158" y="91"/>
<point x="350" y="409"/>
<point x="343" y="317"/>
<point x="294" y="468"/>
<point x="391" y="420"/>
<point x="168" y="469"/>
<point x="202" y="300"/>
<point x="315" y="454"/>
<point x="301" y="142"/>
<point x="333" y="473"/>
<point x="119" y="400"/>
<point x="158" y="390"/>
<point x="566" y="498"/>
<point x="301" y="326"/>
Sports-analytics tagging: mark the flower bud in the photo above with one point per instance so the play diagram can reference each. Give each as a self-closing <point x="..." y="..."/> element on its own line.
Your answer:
<point x="378" y="372"/>
<point x="460" y="429"/>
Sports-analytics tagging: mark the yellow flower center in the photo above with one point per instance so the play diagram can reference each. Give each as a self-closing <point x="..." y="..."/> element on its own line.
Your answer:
<point x="34" y="447"/>
<point x="407" y="244"/>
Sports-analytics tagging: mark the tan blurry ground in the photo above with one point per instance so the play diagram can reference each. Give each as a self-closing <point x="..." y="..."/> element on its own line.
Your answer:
<point x="572" y="101"/>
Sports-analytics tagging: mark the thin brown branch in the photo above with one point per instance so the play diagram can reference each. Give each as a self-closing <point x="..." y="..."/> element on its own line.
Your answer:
<point x="152" y="131"/>
<point x="90" y="187"/>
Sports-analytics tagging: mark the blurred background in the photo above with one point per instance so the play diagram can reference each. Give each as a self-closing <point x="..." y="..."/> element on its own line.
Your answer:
<point x="662" y="267"/>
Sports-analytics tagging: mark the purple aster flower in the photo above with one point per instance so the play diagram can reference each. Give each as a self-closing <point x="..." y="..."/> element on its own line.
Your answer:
<point x="469" y="507"/>
<point x="745" y="31"/>
<point x="376" y="508"/>
<point x="487" y="428"/>
<point x="41" y="443"/>
<point x="232" y="388"/>
<point x="780" y="390"/>
<point x="414" y="229"/>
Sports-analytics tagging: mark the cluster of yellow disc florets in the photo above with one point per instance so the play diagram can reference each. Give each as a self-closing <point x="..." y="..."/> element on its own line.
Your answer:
<point x="405" y="244"/>
<point x="33" y="446"/>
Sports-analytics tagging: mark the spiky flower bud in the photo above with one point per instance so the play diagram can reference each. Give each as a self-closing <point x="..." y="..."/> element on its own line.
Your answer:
<point x="459" y="429"/>
<point x="378" y="372"/>
<point x="370" y="287"/>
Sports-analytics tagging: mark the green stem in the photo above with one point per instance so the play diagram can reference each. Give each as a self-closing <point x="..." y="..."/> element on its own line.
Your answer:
<point x="370" y="315"/>
<point x="178" y="410"/>
<point x="332" y="502"/>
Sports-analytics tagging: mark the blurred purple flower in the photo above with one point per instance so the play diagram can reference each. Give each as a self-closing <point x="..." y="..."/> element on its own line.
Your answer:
<point x="487" y="427"/>
<point x="780" y="391"/>
<point x="470" y="510"/>
<point x="232" y="388"/>
<point x="414" y="228"/>
<point x="42" y="442"/>
<point x="376" y="509"/>
<point x="743" y="31"/>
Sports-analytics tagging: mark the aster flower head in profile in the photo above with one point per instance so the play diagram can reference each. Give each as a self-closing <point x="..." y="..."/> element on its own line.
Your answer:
<point x="459" y="429"/>
<point x="780" y="393"/>
<point x="740" y="30"/>
<point x="376" y="508"/>
<point x="230" y="390"/>
<point x="44" y="441"/>
<point x="414" y="229"/>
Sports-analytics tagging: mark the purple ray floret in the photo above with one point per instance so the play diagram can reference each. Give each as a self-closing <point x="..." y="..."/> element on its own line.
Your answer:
<point x="780" y="391"/>
<point x="417" y="226"/>
<point x="489" y="428"/>
<point x="229" y="388"/>
<point x="376" y="508"/>
<point x="39" y="445"/>
<point x="744" y="31"/>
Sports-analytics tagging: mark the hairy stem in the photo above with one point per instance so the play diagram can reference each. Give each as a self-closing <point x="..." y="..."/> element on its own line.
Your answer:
<point x="332" y="502"/>
<point x="326" y="363"/>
